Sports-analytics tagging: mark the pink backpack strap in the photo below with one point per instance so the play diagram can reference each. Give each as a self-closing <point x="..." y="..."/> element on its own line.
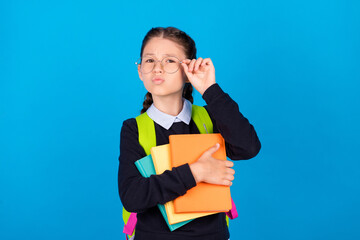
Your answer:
<point x="129" y="227"/>
<point x="233" y="212"/>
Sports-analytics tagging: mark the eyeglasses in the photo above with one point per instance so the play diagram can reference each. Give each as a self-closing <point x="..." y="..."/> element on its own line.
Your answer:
<point x="169" y="64"/>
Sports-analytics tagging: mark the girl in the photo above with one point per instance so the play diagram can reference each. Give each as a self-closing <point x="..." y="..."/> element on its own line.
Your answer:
<point x="169" y="70"/>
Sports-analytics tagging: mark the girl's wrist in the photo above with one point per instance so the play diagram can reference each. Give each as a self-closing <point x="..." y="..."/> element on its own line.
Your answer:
<point x="207" y="89"/>
<point x="196" y="171"/>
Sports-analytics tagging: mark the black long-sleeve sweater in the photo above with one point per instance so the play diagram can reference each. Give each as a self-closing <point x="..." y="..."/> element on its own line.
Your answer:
<point x="141" y="195"/>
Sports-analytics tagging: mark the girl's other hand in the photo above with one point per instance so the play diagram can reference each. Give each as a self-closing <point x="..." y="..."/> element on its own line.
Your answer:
<point x="211" y="170"/>
<point x="200" y="72"/>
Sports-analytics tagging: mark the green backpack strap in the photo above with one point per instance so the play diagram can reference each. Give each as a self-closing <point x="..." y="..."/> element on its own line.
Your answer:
<point x="201" y="119"/>
<point x="146" y="129"/>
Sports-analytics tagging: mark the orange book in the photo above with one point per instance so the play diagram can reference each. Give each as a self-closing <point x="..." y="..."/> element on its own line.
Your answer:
<point x="204" y="197"/>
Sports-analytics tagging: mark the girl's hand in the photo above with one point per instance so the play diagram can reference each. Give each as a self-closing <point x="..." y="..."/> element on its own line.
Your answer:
<point x="212" y="170"/>
<point x="200" y="72"/>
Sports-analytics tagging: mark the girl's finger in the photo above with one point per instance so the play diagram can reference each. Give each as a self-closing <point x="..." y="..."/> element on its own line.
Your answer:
<point x="187" y="72"/>
<point x="213" y="149"/>
<point x="206" y="62"/>
<point x="229" y="164"/>
<point x="231" y="171"/>
<point x="191" y="65"/>
<point x="185" y="66"/>
<point x="186" y="61"/>
<point x="197" y="64"/>
<point x="230" y="177"/>
<point x="226" y="183"/>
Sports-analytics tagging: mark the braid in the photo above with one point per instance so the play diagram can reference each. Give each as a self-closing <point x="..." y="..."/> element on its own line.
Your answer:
<point x="187" y="93"/>
<point x="147" y="102"/>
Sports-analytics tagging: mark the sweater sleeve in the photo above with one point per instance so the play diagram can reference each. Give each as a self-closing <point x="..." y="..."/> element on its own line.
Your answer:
<point x="241" y="140"/>
<point x="138" y="193"/>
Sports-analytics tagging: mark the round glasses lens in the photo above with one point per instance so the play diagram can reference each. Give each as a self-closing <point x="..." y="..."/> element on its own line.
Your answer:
<point x="170" y="64"/>
<point x="147" y="64"/>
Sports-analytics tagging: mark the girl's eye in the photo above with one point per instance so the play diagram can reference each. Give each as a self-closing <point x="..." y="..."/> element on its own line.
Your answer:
<point x="150" y="60"/>
<point x="170" y="60"/>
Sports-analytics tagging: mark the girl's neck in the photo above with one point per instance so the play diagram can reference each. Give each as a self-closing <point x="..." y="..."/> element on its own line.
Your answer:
<point x="171" y="105"/>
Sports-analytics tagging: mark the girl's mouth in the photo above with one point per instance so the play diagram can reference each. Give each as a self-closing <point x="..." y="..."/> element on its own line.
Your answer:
<point x="157" y="80"/>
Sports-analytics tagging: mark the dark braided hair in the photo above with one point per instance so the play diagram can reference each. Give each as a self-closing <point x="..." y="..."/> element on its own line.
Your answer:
<point x="183" y="40"/>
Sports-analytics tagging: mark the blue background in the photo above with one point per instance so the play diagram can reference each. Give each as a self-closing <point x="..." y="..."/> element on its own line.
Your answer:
<point x="68" y="80"/>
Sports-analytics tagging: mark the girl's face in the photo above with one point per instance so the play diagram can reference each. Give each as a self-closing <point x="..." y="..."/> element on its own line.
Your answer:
<point x="158" y="82"/>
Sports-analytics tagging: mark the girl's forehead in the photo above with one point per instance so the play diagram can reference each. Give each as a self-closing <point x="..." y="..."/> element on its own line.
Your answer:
<point x="161" y="46"/>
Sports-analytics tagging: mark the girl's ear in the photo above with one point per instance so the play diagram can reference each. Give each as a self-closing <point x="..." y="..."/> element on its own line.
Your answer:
<point x="139" y="72"/>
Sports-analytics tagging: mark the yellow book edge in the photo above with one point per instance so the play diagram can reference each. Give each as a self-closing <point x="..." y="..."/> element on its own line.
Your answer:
<point x="161" y="159"/>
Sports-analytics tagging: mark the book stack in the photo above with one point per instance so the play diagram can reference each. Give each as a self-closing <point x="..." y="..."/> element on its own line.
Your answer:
<point x="203" y="199"/>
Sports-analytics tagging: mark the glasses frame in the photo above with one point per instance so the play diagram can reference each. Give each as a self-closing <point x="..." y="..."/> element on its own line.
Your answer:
<point x="138" y="62"/>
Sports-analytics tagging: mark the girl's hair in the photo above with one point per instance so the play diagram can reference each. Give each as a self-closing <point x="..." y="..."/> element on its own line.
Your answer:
<point x="183" y="40"/>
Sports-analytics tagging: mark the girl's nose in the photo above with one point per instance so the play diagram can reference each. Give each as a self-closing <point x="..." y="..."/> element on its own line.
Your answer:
<point x="157" y="67"/>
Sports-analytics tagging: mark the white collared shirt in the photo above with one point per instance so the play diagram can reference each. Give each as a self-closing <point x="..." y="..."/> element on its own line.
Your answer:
<point x="166" y="120"/>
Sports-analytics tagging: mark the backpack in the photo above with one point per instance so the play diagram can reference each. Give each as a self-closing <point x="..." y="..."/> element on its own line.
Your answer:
<point x="147" y="139"/>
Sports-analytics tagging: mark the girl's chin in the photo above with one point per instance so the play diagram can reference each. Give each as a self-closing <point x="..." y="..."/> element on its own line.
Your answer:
<point x="165" y="93"/>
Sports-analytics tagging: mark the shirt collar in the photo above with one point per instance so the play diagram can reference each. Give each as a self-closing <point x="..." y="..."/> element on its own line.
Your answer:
<point x="166" y="120"/>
